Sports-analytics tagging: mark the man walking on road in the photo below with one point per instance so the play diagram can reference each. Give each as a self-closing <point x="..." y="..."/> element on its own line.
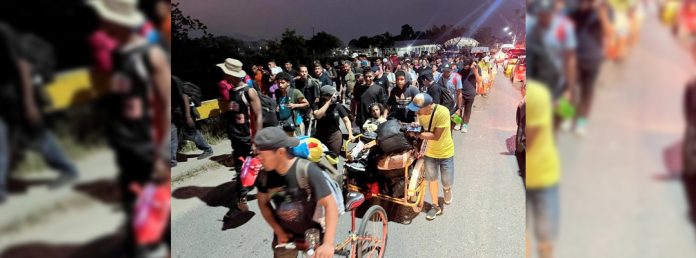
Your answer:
<point x="244" y="102"/>
<point x="439" y="152"/>
<point x="346" y="82"/>
<point x="542" y="168"/>
<point x="294" y="209"/>
<point x="183" y="118"/>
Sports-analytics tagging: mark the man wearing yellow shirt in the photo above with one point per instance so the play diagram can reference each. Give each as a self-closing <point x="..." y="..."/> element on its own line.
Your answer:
<point x="543" y="167"/>
<point x="439" y="152"/>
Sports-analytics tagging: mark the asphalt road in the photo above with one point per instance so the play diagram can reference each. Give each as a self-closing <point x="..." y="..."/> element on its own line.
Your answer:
<point x="486" y="218"/>
<point x="612" y="202"/>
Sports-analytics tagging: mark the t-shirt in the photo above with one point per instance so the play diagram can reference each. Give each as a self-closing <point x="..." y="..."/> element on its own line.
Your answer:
<point x="468" y="82"/>
<point x="290" y="208"/>
<point x="452" y="83"/>
<point x="329" y="123"/>
<point x="443" y="148"/>
<point x="383" y="81"/>
<point x="294" y="96"/>
<point x="543" y="168"/>
<point x="558" y="38"/>
<point x="588" y="29"/>
<point x="373" y="94"/>
<point x="324" y="79"/>
<point x="399" y="100"/>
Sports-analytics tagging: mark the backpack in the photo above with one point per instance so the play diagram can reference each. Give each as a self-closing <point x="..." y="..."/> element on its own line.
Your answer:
<point x="446" y="99"/>
<point x="40" y="54"/>
<point x="303" y="183"/>
<point x="391" y="139"/>
<point x="193" y="92"/>
<point x="540" y="64"/>
<point x="268" y="108"/>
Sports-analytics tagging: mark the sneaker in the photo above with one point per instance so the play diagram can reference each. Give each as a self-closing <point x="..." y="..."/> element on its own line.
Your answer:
<point x="581" y="127"/>
<point x="205" y="154"/>
<point x="457" y="127"/>
<point x="62" y="180"/>
<point x="566" y="125"/>
<point x="465" y="128"/>
<point x="448" y="195"/>
<point x="433" y="212"/>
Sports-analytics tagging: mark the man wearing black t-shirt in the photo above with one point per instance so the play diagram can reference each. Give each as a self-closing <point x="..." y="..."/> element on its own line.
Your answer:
<point x="328" y="116"/>
<point x="294" y="75"/>
<point x="292" y="211"/>
<point x="380" y="79"/>
<point x="373" y="94"/>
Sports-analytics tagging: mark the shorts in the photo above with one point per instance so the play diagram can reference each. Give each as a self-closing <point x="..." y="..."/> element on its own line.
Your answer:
<point x="543" y="210"/>
<point x="434" y="167"/>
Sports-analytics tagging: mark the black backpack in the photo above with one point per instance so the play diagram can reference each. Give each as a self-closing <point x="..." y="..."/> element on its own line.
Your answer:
<point x="446" y="99"/>
<point x="193" y="92"/>
<point x="268" y="108"/>
<point x="268" y="111"/>
<point x="40" y="54"/>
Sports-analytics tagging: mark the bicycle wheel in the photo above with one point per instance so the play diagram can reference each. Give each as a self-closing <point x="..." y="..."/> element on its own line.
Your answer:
<point x="372" y="233"/>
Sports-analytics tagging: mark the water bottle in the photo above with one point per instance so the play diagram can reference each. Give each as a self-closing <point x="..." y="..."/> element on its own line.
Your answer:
<point x="456" y="119"/>
<point x="565" y="109"/>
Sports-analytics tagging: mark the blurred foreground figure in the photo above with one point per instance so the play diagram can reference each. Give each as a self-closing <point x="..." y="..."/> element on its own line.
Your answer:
<point x="138" y="104"/>
<point x="542" y="168"/>
<point x="689" y="151"/>
<point x="21" y="121"/>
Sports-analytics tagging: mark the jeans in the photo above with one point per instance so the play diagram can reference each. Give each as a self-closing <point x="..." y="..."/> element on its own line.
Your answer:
<point x="4" y="157"/>
<point x="191" y="133"/>
<point x="466" y="109"/>
<point x="435" y="166"/>
<point x="240" y="149"/>
<point x="543" y="204"/>
<point x="45" y="143"/>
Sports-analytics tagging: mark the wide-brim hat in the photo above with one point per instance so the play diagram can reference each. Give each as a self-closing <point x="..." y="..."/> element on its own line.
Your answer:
<point x="121" y="12"/>
<point x="232" y="67"/>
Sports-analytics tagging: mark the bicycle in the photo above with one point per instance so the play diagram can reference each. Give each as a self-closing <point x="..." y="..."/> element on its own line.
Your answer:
<point x="370" y="240"/>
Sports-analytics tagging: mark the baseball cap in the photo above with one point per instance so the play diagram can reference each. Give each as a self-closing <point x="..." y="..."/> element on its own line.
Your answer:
<point x="419" y="101"/>
<point x="328" y="90"/>
<point x="276" y="70"/>
<point x="375" y="68"/>
<point x="446" y="67"/>
<point x="271" y="138"/>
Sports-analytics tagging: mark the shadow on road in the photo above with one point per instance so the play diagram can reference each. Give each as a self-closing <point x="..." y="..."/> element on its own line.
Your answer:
<point x="104" y="190"/>
<point x="109" y="246"/>
<point x="224" y="159"/>
<point x="510" y="145"/>
<point x="22" y="186"/>
<point x="184" y="157"/>
<point x="223" y="195"/>
<point x="672" y="160"/>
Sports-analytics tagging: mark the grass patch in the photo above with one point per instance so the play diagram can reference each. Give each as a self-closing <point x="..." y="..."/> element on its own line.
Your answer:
<point x="195" y="172"/>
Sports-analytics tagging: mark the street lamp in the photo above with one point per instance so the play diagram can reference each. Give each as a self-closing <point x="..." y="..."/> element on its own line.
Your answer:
<point x="510" y="33"/>
<point x="506" y="28"/>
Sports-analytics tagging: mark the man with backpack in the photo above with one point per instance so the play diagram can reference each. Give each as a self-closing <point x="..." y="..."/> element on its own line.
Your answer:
<point x="291" y="104"/>
<point x="244" y="107"/>
<point x="137" y="105"/>
<point x="184" y="117"/>
<point x="310" y="89"/>
<point x="21" y="118"/>
<point x="450" y="85"/>
<point x="296" y="187"/>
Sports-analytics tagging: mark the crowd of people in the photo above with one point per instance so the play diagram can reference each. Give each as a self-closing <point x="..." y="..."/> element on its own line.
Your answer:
<point x="269" y="106"/>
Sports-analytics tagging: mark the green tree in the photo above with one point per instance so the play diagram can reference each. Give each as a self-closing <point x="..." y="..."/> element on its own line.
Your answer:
<point x="407" y="32"/>
<point x="293" y="46"/>
<point x="323" y="42"/>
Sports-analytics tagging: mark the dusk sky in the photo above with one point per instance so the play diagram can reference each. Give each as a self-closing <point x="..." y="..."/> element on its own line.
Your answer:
<point x="267" y="19"/>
